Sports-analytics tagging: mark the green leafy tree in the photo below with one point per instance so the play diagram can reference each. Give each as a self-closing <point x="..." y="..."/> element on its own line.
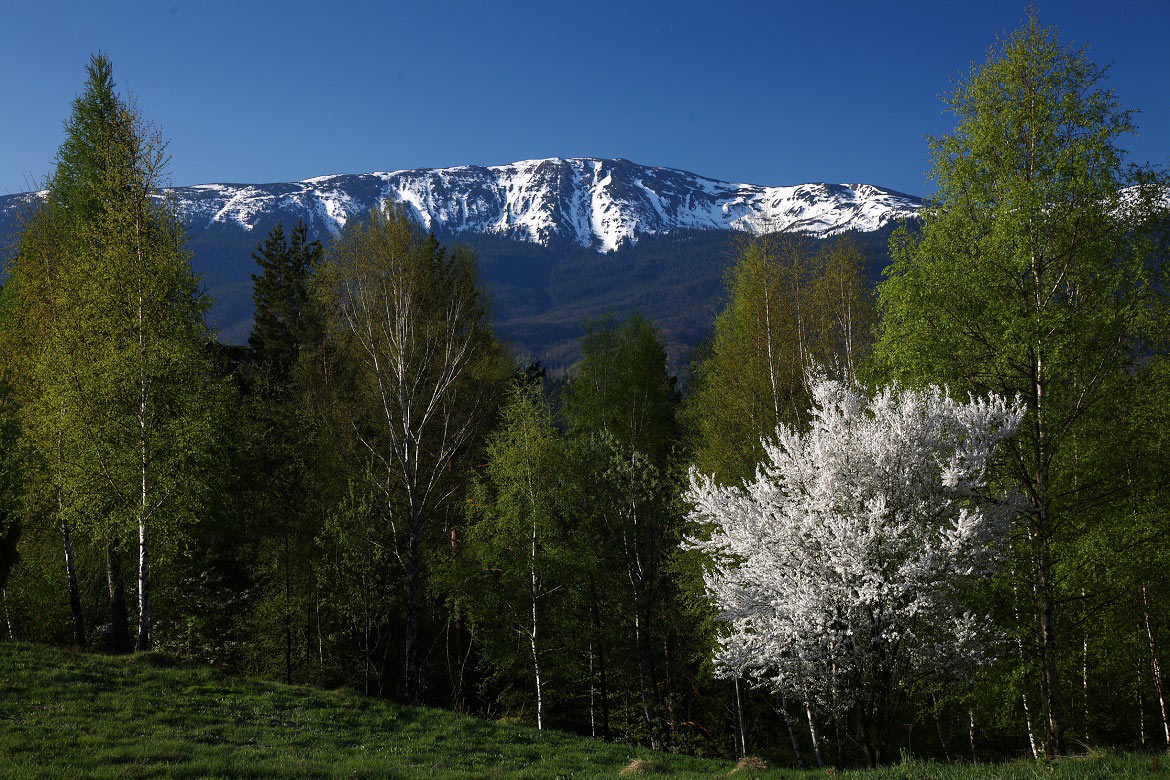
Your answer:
<point x="1028" y="279"/>
<point x="123" y="402"/>
<point x="413" y="374"/>
<point x="525" y="551"/>
<point x="10" y="492"/>
<point x="620" y="406"/>
<point x="788" y="309"/>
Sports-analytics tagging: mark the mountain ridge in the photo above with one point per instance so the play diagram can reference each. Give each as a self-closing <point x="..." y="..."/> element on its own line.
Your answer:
<point x="597" y="203"/>
<point x="559" y="239"/>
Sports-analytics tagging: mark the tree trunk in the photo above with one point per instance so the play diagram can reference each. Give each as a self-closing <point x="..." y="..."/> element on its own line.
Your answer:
<point x="592" y="696"/>
<point x="741" y="736"/>
<point x="644" y="681"/>
<point x="79" y="637"/>
<point x="459" y="696"/>
<point x="7" y="617"/>
<point x="1141" y="705"/>
<point x="1049" y="681"/>
<point x="144" y="433"/>
<point x="1042" y="538"/>
<point x="119" y="620"/>
<point x="666" y="694"/>
<point x="1028" y="722"/>
<point x="938" y="727"/>
<point x="287" y="613"/>
<point x="1155" y="665"/>
<point x="1085" y="684"/>
<point x="971" y="735"/>
<point x="410" y="672"/>
<point x="870" y="743"/>
<point x="791" y="732"/>
<point x="144" y="617"/>
<point x="535" y="594"/>
<point x="812" y="732"/>
<point x="311" y="596"/>
<point x="600" y="659"/>
<point x="536" y="675"/>
<point x="320" y="638"/>
<point x="1024" y="696"/>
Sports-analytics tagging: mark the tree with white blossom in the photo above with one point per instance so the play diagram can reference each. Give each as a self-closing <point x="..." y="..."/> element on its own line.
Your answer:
<point x="838" y="571"/>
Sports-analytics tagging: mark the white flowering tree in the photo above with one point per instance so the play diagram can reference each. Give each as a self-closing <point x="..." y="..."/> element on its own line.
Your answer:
<point x="838" y="570"/>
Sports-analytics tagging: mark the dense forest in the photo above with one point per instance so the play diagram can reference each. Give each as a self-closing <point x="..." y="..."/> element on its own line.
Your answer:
<point x="925" y="517"/>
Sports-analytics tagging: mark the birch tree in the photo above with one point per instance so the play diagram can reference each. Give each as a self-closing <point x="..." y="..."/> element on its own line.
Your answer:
<point x="838" y="571"/>
<point x="11" y="490"/>
<point x="1028" y="278"/>
<point x="523" y="546"/>
<point x="788" y="308"/>
<point x="415" y="372"/>
<point x="122" y="398"/>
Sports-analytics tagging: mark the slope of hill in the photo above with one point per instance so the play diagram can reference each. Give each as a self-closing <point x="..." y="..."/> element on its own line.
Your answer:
<point x="71" y="715"/>
<point x="65" y="714"/>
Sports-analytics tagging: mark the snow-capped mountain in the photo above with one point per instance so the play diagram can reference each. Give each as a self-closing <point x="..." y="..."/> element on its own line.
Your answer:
<point x="601" y="204"/>
<point x="538" y="226"/>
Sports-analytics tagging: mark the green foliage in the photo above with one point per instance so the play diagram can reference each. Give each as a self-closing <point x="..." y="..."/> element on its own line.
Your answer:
<point x="410" y="374"/>
<point x="89" y="133"/>
<point x="119" y="403"/>
<point x="788" y="310"/>
<point x="523" y="555"/>
<point x="283" y="321"/>
<point x="1031" y="278"/>
<point x="381" y="510"/>
<point x="285" y="498"/>
<point x="11" y="486"/>
<point x="622" y="388"/>
<point x="360" y="582"/>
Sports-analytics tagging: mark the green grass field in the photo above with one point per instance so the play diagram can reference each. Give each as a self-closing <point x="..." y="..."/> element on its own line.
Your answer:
<point x="75" y="715"/>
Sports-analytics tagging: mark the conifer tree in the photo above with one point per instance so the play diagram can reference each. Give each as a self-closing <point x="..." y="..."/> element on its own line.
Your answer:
<point x="281" y="333"/>
<point x="282" y="321"/>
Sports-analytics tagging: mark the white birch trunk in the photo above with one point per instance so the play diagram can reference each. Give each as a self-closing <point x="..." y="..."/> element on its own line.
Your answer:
<point x="812" y="732"/>
<point x="1155" y="665"/>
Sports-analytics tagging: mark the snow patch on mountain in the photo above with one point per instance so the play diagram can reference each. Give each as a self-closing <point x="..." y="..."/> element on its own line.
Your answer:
<point x="597" y="203"/>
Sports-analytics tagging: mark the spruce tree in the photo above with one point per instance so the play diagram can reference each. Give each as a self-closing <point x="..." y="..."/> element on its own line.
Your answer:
<point x="279" y="498"/>
<point x="282" y="321"/>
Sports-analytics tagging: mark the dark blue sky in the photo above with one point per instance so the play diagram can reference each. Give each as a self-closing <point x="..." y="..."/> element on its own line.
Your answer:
<point x="768" y="93"/>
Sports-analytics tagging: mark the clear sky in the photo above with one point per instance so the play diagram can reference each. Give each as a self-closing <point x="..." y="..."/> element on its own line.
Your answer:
<point x="769" y="93"/>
